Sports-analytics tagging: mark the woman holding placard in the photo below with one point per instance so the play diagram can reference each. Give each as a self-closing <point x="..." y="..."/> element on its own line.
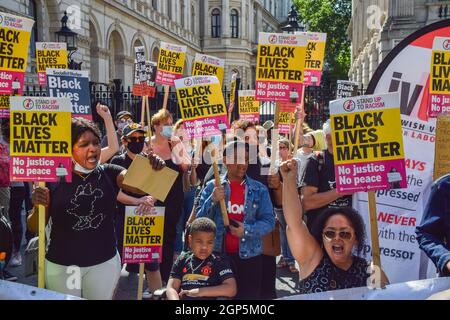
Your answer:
<point x="82" y="257"/>
<point x="325" y="254"/>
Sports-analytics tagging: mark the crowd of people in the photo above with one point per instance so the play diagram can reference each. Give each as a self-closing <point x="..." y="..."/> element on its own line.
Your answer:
<point x="205" y="256"/>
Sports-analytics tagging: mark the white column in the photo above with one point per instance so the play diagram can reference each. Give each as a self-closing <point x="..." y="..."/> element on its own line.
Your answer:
<point x="243" y="19"/>
<point x="250" y="22"/>
<point x="226" y="19"/>
<point x="188" y="15"/>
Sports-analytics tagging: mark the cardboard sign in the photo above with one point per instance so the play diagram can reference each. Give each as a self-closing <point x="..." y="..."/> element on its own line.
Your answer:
<point x="368" y="143"/>
<point x="439" y="99"/>
<point x="73" y="84"/>
<point x="50" y="55"/>
<point x="346" y="89"/>
<point x="155" y="183"/>
<point x="205" y="65"/>
<point x="232" y="92"/>
<point x="170" y="63"/>
<point x="41" y="145"/>
<point x="202" y="105"/>
<point x="280" y="67"/>
<point x="248" y="106"/>
<point x="442" y="148"/>
<point x="15" y="35"/>
<point x="143" y="236"/>
<point x="315" y="53"/>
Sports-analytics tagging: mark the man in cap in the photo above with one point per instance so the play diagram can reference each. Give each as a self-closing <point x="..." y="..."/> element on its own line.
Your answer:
<point x="122" y="119"/>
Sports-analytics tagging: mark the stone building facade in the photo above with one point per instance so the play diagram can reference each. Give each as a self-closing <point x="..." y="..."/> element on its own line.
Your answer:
<point x="377" y="26"/>
<point x="108" y="31"/>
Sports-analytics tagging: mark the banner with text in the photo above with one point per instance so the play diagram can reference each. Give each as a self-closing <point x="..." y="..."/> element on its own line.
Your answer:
<point x="346" y="89"/>
<point x="15" y="35"/>
<point x="170" y="63"/>
<point x="280" y="67"/>
<point x="285" y="117"/>
<point x="73" y="84"/>
<point x="50" y="55"/>
<point x="439" y="99"/>
<point x="202" y="105"/>
<point x="4" y="106"/>
<point x="367" y="143"/>
<point x="41" y="146"/>
<point x="205" y="65"/>
<point x="143" y="235"/>
<point x="315" y="53"/>
<point x="248" y="106"/>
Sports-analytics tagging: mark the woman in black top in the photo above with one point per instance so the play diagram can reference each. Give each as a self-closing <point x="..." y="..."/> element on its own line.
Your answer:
<point x="172" y="151"/>
<point x="325" y="255"/>
<point x="82" y="257"/>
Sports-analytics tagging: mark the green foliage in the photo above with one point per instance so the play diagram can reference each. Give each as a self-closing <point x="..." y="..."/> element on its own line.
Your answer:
<point x="333" y="18"/>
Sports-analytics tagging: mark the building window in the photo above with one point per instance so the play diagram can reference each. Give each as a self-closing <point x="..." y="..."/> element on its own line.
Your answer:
<point x="34" y="32"/>
<point x="215" y="23"/>
<point x="234" y="23"/>
<point x="183" y="8"/>
<point x="155" y="4"/>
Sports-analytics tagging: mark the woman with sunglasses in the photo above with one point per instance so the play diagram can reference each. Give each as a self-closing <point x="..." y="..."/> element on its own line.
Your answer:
<point x="325" y="254"/>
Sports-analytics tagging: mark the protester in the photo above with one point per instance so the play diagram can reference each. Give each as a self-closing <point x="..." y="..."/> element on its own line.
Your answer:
<point x="200" y="273"/>
<point x="433" y="233"/>
<point x="258" y="170"/>
<point x="325" y="252"/>
<point x="319" y="183"/>
<point x="133" y="140"/>
<point x="172" y="151"/>
<point x="249" y="206"/>
<point x="82" y="213"/>
<point x="286" y="259"/>
<point x="122" y="119"/>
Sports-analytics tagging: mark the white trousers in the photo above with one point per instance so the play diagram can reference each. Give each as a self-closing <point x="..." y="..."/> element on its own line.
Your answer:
<point x="96" y="282"/>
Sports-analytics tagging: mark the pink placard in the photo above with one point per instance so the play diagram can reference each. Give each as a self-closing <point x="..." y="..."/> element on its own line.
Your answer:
<point x="35" y="168"/>
<point x="439" y="104"/>
<point x="142" y="254"/>
<point x="312" y="77"/>
<point x="167" y="78"/>
<point x="278" y="91"/>
<point x="11" y="82"/>
<point x="253" y="117"/>
<point x="202" y="127"/>
<point x="378" y="175"/>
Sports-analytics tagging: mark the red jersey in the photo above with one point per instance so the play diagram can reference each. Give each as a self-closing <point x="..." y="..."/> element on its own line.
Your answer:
<point x="235" y="209"/>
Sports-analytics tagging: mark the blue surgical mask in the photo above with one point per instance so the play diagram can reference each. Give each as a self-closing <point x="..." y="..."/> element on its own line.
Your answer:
<point x="167" y="131"/>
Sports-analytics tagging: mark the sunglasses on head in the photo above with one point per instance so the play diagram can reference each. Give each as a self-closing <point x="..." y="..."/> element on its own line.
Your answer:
<point x="329" y="235"/>
<point x="136" y="139"/>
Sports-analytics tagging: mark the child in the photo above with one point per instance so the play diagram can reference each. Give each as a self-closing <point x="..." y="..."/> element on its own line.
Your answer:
<point x="199" y="273"/>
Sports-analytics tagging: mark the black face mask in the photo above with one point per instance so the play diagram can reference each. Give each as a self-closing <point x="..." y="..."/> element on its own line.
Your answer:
<point x="135" y="146"/>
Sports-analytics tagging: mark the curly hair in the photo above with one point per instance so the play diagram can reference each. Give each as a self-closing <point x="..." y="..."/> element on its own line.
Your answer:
<point x="352" y="215"/>
<point x="203" y="225"/>
<point x="80" y="126"/>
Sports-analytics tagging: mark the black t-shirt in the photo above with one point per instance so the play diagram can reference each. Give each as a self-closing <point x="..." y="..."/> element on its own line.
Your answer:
<point x="124" y="161"/>
<point x="195" y="273"/>
<point x="82" y="215"/>
<point x="323" y="179"/>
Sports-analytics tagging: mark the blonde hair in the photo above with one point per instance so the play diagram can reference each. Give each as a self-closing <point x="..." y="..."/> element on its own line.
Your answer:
<point x="161" y="116"/>
<point x="178" y="124"/>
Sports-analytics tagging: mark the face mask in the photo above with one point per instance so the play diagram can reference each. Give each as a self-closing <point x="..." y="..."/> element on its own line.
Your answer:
<point x="120" y="126"/>
<point x="135" y="146"/>
<point x="81" y="169"/>
<point x="166" y="131"/>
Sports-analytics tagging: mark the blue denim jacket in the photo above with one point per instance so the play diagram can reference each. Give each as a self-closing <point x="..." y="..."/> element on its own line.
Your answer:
<point x="433" y="233"/>
<point x="259" y="219"/>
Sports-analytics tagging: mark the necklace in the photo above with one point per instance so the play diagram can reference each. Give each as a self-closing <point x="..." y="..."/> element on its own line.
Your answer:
<point x="81" y="175"/>
<point x="196" y="268"/>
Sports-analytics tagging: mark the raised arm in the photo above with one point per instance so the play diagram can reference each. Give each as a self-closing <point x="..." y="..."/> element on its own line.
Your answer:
<point x="304" y="247"/>
<point x="113" y="145"/>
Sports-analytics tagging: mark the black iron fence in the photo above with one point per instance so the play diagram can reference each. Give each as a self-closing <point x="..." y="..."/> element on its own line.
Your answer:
<point x="119" y="98"/>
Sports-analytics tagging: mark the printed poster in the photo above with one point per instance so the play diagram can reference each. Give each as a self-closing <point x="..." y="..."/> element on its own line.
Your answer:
<point x="50" y="55"/>
<point x="170" y="63"/>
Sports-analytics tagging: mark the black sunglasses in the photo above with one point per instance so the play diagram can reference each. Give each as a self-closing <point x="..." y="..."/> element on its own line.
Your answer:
<point x="136" y="139"/>
<point x="329" y="235"/>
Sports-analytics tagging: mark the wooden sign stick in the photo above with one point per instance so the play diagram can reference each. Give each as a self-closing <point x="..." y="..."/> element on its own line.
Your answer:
<point x="166" y="96"/>
<point x="41" y="252"/>
<point x="223" y="207"/>
<point x="374" y="229"/>
<point x="299" y="121"/>
<point x="147" y="109"/>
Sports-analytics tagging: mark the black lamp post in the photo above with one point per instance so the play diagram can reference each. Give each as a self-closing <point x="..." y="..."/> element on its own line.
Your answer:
<point x="292" y="22"/>
<point x="68" y="36"/>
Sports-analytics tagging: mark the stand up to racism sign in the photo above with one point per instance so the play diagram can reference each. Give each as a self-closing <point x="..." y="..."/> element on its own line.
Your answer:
<point x="15" y="34"/>
<point x="367" y="143"/>
<point x="280" y="66"/>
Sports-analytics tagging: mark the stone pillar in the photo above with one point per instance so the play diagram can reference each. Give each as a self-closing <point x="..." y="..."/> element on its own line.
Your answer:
<point x="243" y="19"/>
<point x="226" y="19"/>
